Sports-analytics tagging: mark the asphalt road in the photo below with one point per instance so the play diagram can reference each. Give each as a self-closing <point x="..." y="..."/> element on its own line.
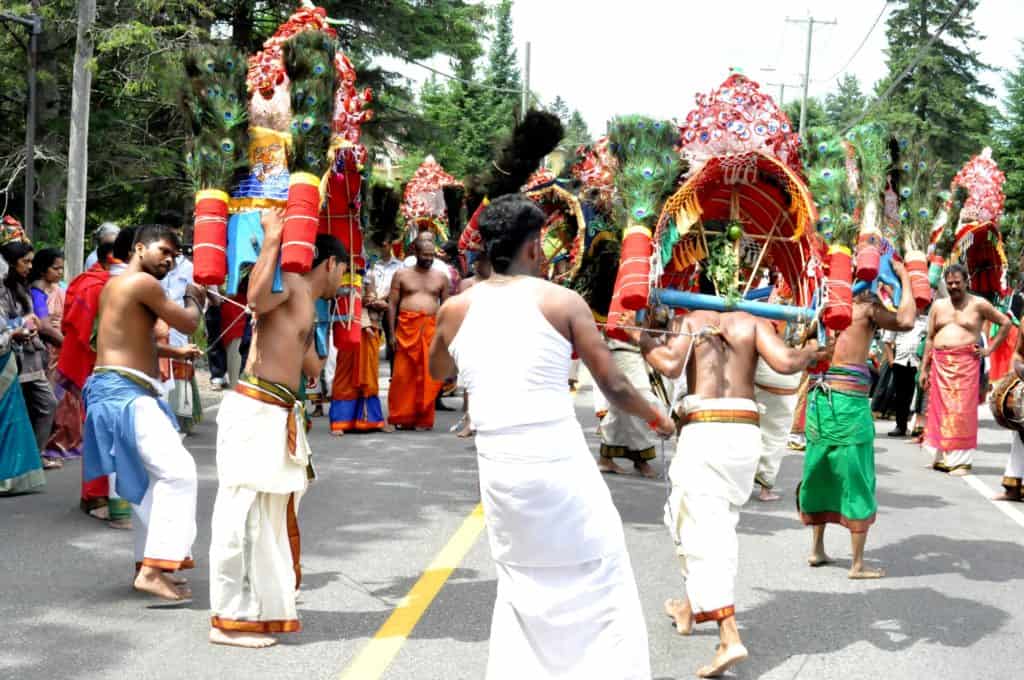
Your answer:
<point x="385" y="505"/>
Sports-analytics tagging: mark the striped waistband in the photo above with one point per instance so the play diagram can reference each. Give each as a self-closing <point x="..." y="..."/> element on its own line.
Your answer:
<point x="850" y="378"/>
<point x="736" y="416"/>
<point x="781" y="391"/>
<point x="266" y="391"/>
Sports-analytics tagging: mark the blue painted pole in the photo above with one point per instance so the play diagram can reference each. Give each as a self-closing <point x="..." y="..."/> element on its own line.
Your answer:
<point x="688" y="300"/>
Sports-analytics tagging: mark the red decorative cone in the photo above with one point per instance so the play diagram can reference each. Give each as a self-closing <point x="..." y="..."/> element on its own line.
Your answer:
<point x="838" y="314"/>
<point x="209" y="259"/>
<point x="633" y="282"/>
<point x="301" y="219"/>
<point x="869" y="255"/>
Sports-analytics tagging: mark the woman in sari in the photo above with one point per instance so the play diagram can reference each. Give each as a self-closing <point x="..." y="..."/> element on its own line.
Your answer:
<point x="20" y="466"/>
<point x="48" y="304"/>
<point x="32" y="357"/>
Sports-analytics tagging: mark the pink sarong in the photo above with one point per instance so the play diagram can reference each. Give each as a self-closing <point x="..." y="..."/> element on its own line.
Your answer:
<point x="953" y="399"/>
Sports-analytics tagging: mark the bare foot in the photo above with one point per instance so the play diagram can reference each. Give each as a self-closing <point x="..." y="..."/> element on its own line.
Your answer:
<point x="609" y="466"/>
<point x="860" y="573"/>
<point x="176" y="579"/>
<point x="102" y="512"/>
<point x="235" y="639"/>
<point x="818" y="560"/>
<point x="1008" y="497"/>
<point x="387" y="429"/>
<point x="158" y="584"/>
<point x="120" y="524"/>
<point x="334" y="433"/>
<point x="959" y="472"/>
<point x="767" y="496"/>
<point x="681" y="614"/>
<point x="644" y="469"/>
<point x="725" y="658"/>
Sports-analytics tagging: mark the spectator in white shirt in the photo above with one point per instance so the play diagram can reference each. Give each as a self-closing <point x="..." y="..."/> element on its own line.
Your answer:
<point x="905" y="362"/>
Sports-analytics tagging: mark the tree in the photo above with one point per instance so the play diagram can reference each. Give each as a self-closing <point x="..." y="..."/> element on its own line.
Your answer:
<point x="78" y="150"/>
<point x="502" y="76"/>
<point x="938" y="104"/>
<point x="1010" y="138"/>
<point x="560" y="109"/>
<point x="816" y="116"/>
<point x="844" y="105"/>
<point x="576" y="132"/>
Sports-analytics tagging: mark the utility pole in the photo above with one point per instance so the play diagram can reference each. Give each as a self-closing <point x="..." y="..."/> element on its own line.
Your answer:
<point x="810" y="21"/>
<point x="782" y="91"/>
<point x="34" y="23"/>
<point x="78" y="145"/>
<point x="526" y="84"/>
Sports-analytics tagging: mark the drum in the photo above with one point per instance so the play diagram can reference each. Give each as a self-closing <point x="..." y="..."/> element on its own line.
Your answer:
<point x="1007" y="402"/>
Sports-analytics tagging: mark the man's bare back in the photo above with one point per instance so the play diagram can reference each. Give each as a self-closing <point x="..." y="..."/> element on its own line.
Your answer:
<point x="282" y="335"/>
<point x="854" y="343"/>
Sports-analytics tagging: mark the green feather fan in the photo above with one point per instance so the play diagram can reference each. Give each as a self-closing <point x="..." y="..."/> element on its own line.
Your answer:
<point x="309" y="62"/>
<point x="828" y="181"/>
<point x="649" y="165"/>
<point x="944" y="244"/>
<point x="215" y="105"/>
<point x="871" y="144"/>
<point x="920" y="204"/>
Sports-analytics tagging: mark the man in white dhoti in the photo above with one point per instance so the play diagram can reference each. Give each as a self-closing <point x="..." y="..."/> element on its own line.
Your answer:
<point x="776" y="395"/>
<point x="130" y="429"/>
<point x="567" y="604"/>
<point x="624" y="435"/>
<point x="712" y="473"/>
<point x="263" y="459"/>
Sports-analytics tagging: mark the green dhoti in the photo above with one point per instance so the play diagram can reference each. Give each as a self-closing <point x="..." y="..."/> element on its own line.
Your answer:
<point x="839" y="466"/>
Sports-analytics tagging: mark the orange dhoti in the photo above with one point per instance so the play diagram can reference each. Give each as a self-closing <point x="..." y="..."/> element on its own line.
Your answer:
<point x="412" y="393"/>
<point x="355" y="405"/>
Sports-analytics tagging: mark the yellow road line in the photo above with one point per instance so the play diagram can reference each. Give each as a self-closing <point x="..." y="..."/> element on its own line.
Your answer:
<point x="379" y="652"/>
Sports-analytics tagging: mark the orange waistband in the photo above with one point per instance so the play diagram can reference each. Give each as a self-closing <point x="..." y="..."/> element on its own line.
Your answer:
<point x="259" y="395"/>
<point x="741" y="417"/>
<point x="781" y="391"/>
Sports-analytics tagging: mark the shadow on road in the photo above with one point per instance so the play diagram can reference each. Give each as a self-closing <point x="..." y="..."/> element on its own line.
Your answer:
<point x="791" y="623"/>
<point x="929" y="554"/>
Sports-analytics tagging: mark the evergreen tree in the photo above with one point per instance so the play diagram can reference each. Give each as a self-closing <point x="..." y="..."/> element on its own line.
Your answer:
<point x="938" y="104"/>
<point x="576" y="132"/>
<point x="560" y="109"/>
<point x="503" y="69"/>
<point x="1010" y="138"/>
<point x="816" y="116"/>
<point x="846" y="103"/>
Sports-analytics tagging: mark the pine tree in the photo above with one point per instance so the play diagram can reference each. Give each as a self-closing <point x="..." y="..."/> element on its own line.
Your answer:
<point x="503" y="69"/>
<point x="1010" y="137"/>
<point x="816" y="116"/>
<point x="560" y="109"/>
<point x="938" y="103"/>
<point x="846" y="103"/>
<point x="576" y="132"/>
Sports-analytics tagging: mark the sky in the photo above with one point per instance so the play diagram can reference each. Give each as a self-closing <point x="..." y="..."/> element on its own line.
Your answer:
<point x="652" y="56"/>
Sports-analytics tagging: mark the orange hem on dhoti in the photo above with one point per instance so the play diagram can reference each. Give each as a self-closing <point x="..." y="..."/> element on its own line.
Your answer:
<point x="412" y="393"/>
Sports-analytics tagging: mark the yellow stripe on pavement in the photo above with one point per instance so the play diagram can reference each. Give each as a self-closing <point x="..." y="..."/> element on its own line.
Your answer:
<point x="379" y="652"/>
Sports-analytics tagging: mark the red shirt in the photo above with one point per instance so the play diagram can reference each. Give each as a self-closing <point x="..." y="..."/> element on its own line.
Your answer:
<point x="81" y="305"/>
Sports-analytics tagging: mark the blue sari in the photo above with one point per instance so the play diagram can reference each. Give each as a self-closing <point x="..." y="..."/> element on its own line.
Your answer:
<point x="21" y="469"/>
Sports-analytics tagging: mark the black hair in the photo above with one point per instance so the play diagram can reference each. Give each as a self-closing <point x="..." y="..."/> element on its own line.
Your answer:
<point x="705" y="285"/>
<point x="957" y="268"/>
<point x="328" y="246"/>
<point x="151" y="233"/>
<point x="122" y="246"/>
<point x="12" y="252"/>
<point x="505" y="225"/>
<point x="104" y="249"/>
<point x="43" y="260"/>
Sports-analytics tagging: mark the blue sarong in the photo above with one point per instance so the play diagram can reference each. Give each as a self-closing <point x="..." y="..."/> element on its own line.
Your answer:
<point x="20" y="466"/>
<point x="109" y="443"/>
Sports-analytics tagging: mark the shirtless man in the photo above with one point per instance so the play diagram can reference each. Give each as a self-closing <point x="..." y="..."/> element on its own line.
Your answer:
<point x="262" y="454"/>
<point x="838" y="483"/>
<point x="129" y="428"/>
<point x="951" y="370"/>
<point x="719" y="446"/>
<point x="416" y="295"/>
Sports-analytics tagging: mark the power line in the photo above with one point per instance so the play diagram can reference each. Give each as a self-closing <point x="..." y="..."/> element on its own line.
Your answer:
<point x="885" y="6"/>
<point x="461" y="80"/>
<point x="921" y="51"/>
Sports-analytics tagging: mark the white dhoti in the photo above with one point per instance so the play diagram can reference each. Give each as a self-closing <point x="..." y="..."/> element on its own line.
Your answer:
<point x="1014" y="472"/>
<point x="624" y="435"/>
<point x="776" y="395"/>
<point x="165" y="520"/>
<point x="712" y="475"/>
<point x="567" y="604"/>
<point x="254" y="547"/>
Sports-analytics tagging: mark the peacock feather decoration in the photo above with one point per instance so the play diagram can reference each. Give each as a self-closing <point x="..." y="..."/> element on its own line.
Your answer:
<point x="828" y="180"/>
<point x="308" y="60"/>
<point x="945" y="239"/>
<point x="919" y="195"/>
<point x="649" y="165"/>
<point x="870" y="142"/>
<point x="383" y="218"/>
<point x="215" y="106"/>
